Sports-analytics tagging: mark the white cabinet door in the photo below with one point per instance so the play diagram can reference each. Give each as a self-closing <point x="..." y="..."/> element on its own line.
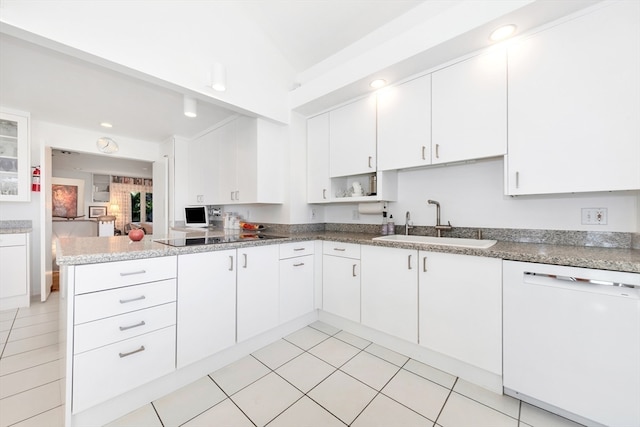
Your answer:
<point x="341" y="286"/>
<point x="203" y="158"/>
<point x="14" y="273"/>
<point x="404" y="125"/>
<point x="258" y="277"/>
<point x="296" y="287"/>
<point x="206" y="304"/>
<point x="352" y="138"/>
<point x="15" y="154"/>
<point x="574" y="103"/>
<point x="460" y="300"/>
<point x="469" y="109"/>
<point x="390" y="291"/>
<point x="318" y="182"/>
<point x="227" y="167"/>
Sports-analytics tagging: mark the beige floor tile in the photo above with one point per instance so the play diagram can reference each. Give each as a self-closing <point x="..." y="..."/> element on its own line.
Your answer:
<point x="33" y="402"/>
<point x="334" y="351"/>
<point x="4" y="336"/>
<point x="38" y="308"/>
<point x="27" y="379"/>
<point x="188" y="402"/>
<point x="224" y="414"/>
<point x="277" y="354"/>
<point x="29" y="359"/>
<point x="28" y="344"/>
<point x="419" y="394"/>
<point x="500" y="402"/>
<point x="462" y="411"/>
<point x="430" y="373"/>
<point x="538" y="417"/>
<point x="36" y="319"/>
<point x="323" y="327"/>
<point x="306" y="338"/>
<point x="5" y="325"/>
<point x="386" y="354"/>
<point x="306" y="413"/>
<point x="384" y="412"/>
<point x="240" y="374"/>
<point x="32" y="331"/>
<point x="145" y="416"/>
<point x="305" y="371"/>
<point x="265" y="399"/>
<point x="352" y="339"/>
<point x="50" y="418"/>
<point x="7" y="315"/>
<point x="343" y="396"/>
<point x="370" y="369"/>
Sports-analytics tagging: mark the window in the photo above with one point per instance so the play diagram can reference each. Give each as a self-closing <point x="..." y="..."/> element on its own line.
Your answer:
<point x="141" y="210"/>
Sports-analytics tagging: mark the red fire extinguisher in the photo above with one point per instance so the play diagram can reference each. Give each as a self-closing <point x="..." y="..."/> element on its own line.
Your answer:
<point x="35" y="179"/>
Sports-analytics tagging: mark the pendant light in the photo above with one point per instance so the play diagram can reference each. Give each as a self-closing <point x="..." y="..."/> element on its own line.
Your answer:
<point x="190" y="107"/>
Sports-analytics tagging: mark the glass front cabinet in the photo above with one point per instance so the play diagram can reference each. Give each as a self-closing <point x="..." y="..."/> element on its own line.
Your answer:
<point x="15" y="171"/>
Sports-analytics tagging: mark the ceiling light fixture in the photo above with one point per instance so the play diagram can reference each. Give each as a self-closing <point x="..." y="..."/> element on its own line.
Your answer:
<point x="106" y="125"/>
<point x="378" y="83"/>
<point x="218" y="77"/>
<point x="190" y="107"/>
<point x="502" y="33"/>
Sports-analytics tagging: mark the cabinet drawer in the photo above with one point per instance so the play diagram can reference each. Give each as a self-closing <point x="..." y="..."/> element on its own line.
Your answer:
<point x="106" y="372"/>
<point x="98" y="305"/>
<point x="290" y="250"/>
<point x="117" y="328"/>
<point x="347" y="250"/>
<point x="18" y="239"/>
<point x="108" y="275"/>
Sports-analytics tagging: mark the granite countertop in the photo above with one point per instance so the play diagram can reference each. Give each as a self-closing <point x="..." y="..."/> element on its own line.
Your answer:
<point x="15" y="226"/>
<point x="91" y="250"/>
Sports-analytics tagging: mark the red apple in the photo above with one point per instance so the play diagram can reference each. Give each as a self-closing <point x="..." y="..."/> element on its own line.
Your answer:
<point x="136" y="234"/>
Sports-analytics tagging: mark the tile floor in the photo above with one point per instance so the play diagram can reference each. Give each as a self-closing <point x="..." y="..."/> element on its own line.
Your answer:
<point x="317" y="376"/>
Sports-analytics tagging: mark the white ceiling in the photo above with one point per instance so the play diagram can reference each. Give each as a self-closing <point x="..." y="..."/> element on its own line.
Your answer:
<point x="61" y="89"/>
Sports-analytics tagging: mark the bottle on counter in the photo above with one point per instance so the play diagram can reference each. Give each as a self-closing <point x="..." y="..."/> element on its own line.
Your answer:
<point x="391" y="226"/>
<point x="384" y="229"/>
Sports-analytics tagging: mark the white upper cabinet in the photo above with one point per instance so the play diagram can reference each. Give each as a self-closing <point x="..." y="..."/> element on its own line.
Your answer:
<point x="469" y="109"/>
<point x="404" y="125"/>
<point x="318" y="182"/>
<point x="15" y="181"/>
<point x="352" y="138"/>
<point x="203" y="152"/>
<point x="574" y="104"/>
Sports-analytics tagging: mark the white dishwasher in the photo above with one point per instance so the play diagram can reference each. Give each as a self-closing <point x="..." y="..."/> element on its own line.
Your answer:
<point x="572" y="341"/>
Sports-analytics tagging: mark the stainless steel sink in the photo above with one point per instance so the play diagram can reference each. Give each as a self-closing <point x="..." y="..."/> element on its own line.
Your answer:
<point x="443" y="241"/>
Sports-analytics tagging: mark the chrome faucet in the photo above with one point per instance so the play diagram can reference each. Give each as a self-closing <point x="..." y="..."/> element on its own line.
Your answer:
<point x="439" y="227"/>
<point x="407" y="227"/>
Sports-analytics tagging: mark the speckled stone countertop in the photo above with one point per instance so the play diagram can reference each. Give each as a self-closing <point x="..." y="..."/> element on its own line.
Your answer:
<point x="90" y="250"/>
<point x="15" y="226"/>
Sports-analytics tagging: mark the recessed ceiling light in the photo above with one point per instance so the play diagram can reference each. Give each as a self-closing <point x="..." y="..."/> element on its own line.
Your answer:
<point x="190" y="107"/>
<point x="106" y="125"/>
<point x="378" y="83"/>
<point x="503" y="32"/>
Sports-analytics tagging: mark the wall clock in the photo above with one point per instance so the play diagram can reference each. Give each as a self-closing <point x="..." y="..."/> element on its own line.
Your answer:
<point x="107" y="145"/>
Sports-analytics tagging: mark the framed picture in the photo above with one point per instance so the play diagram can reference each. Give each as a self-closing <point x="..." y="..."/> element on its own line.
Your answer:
<point x="67" y="197"/>
<point x="96" y="211"/>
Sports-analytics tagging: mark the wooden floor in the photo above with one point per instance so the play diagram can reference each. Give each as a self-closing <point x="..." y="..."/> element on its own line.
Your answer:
<point x="55" y="283"/>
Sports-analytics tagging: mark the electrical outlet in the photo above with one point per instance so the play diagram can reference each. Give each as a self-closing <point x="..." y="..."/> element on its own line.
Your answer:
<point x="355" y="214"/>
<point x="312" y="214"/>
<point x="594" y="216"/>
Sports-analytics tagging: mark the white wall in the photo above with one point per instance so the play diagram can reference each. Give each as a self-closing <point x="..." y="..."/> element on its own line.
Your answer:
<point x="471" y="195"/>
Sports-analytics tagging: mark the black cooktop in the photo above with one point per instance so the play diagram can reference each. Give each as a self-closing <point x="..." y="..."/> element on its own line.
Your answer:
<point x="215" y="240"/>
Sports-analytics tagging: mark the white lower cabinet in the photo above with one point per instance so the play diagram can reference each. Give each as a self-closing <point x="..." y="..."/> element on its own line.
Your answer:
<point x="257" y="292"/>
<point x="296" y="280"/>
<point x="206" y="304"/>
<point x="124" y="331"/>
<point x="341" y="279"/>
<point x="390" y="291"/>
<point x="460" y="300"/>
<point x="14" y="273"/>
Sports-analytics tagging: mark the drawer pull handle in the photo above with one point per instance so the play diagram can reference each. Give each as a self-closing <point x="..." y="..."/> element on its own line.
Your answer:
<point x="230" y="262"/>
<point x="300" y="264"/>
<point x="298" y="249"/>
<point x="131" y="273"/>
<point x="339" y="249"/>
<point x="124" y="328"/>
<point x="124" y="301"/>
<point x="122" y="355"/>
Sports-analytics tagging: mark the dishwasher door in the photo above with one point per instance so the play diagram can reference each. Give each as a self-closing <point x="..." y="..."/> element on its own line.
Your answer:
<point x="572" y="341"/>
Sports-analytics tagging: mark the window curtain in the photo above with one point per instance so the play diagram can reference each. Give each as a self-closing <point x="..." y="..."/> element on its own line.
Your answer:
<point x="121" y="197"/>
